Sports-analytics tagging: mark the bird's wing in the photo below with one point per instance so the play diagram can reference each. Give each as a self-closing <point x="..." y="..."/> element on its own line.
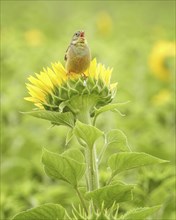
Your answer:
<point x="65" y="57"/>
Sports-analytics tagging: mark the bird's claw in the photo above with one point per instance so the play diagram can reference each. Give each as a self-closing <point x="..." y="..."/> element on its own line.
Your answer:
<point x="85" y="78"/>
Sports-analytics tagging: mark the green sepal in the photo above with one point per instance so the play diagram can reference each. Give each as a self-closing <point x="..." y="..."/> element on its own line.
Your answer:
<point x="79" y="85"/>
<point x="105" y="92"/>
<point x="71" y="83"/>
<point x="50" y="107"/>
<point x="110" y="194"/>
<point x="103" y="102"/>
<point x="69" y="166"/>
<point x="113" y="92"/>
<point x="75" y="89"/>
<point x="56" y="118"/>
<point x="63" y="92"/>
<point x="95" y="90"/>
<point x="100" y="83"/>
<point x="90" y="83"/>
<point x="85" y="91"/>
<point x="105" y="108"/>
<point x="43" y="212"/>
<point x="57" y="100"/>
<point x="72" y="93"/>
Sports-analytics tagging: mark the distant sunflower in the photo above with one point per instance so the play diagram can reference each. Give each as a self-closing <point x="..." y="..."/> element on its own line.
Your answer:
<point x="34" y="37"/>
<point x="104" y="23"/>
<point x="162" y="97"/>
<point x="159" y="59"/>
<point x="54" y="90"/>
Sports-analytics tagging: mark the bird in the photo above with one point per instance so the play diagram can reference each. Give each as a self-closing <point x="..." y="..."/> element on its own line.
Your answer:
<point x="78" y="54"/>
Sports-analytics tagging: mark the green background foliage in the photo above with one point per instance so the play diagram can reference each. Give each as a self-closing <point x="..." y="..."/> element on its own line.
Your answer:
<point x="36" y="33"/>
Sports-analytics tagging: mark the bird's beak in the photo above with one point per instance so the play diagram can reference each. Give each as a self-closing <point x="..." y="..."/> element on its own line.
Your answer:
<point x="82" y="34"/>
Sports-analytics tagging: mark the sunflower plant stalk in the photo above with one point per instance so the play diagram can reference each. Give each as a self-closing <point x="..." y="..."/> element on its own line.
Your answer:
<point x="76" y="101"/>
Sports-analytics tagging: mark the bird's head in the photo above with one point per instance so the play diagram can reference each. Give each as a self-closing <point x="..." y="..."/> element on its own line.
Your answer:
<point x="78" y="37"/>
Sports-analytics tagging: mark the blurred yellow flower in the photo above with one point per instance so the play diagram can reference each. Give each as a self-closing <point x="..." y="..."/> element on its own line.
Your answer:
<point x="34" y="37"/>
<point x="158" y="58"/>
<point x="104" y="23"/>
<point x="53" y="86"/>
<point x="162" y="97"/>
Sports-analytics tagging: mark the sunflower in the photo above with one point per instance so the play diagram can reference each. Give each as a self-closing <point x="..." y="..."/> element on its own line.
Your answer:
<point x="159" y="59"/>
<point x="163" y="97"/>
<point x="104" y="23"/>
<point x="54" y="90"/>
<point x="34" y="37"/>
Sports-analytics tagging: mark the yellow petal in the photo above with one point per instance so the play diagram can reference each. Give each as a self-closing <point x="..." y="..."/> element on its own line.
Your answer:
<point x="57" y="74"/>
<point x="39" y="105"/>
<point x="31" y="99"/>
<point x="92" y="68"/>
<point x="108" y="76"/>
<point x="43" y="77"/>
<point x="36" y="92"/>
<point x="102" y="73"/>
<point x="53" y="77"/>
<point x="60" y="71"/>
<point x="38" y="83"/>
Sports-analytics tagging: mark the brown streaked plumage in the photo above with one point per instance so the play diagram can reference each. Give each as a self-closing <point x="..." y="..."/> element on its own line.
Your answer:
<point x="77" y="56"/>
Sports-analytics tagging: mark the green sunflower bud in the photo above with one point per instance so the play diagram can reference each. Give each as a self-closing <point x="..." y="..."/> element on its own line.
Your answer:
<point x="54" y="90"/>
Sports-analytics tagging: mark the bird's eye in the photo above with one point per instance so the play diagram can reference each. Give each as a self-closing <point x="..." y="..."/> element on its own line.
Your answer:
<point x="77" y="34"/>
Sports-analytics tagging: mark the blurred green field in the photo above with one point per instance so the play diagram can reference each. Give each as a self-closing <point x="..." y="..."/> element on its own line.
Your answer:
<point x="125" y="35"/>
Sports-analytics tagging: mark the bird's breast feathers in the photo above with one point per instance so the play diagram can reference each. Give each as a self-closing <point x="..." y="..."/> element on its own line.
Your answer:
<point x="79" y="50"/>
<point x="78" y="58"/>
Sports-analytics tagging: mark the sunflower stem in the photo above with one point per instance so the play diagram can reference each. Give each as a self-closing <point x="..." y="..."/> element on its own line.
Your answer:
<point x="96" y="174"/>
<point x="92" y="177"/>
<point x="84" y="116"/>
<point x="92" y="169"/>
<point x="81" y="199"/>
<point x="89" y="170"/>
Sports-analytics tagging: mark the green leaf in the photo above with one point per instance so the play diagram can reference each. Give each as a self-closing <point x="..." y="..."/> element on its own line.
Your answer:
<point x="87" y="133"/>
<point x="109" y="107"/>
<point x="110" y="194"/>
<point x="139" y="213"/>
<point x="128" y="160"/>
<point x="118" y="140"/>
<point x="56" y="118"/>
<point x="69" y="166"/>
<point x="43" y="212"/>
<point x="69" y="137"/>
